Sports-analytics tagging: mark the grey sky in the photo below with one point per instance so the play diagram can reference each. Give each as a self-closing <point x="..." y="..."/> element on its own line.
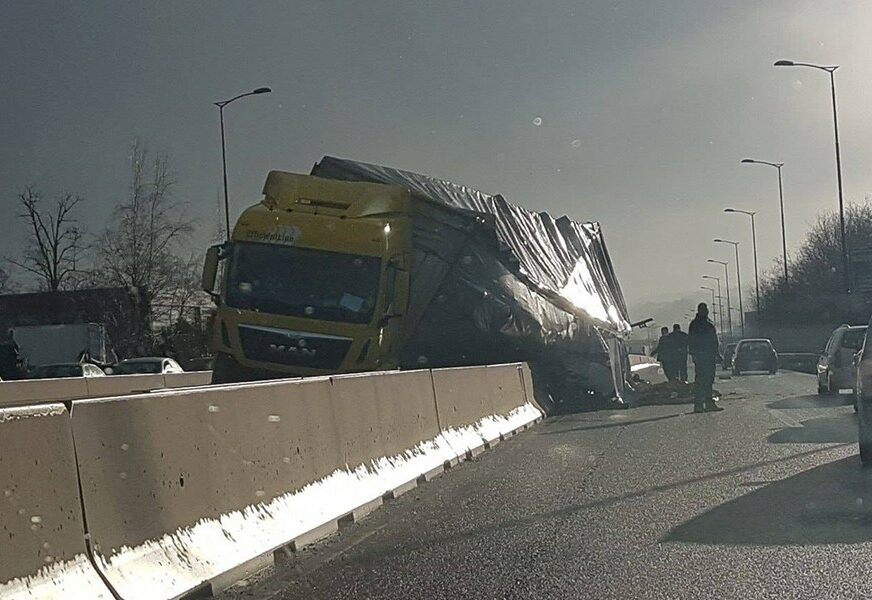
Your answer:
<point x="646" y="108"/>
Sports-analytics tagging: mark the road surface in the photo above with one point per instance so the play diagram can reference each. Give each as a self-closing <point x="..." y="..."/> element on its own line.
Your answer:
<point x="765" y="499"/>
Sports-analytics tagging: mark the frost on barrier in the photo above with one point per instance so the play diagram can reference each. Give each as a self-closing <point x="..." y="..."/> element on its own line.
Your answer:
<point x="31" y="412"/>
<point x="177" y="562"/>
<point x="74" y="578"/>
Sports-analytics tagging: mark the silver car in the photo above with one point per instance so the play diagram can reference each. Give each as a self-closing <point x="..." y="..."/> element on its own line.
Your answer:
<point x="835" y="368"/>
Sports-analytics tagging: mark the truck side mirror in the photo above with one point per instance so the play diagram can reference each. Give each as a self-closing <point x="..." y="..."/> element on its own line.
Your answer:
<point x="210" y="269"/>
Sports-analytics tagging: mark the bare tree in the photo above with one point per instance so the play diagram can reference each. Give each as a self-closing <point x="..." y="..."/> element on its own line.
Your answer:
<point x="54" y="241"/>
<point x="814" y="291"/>
<point x="140" y="247"/>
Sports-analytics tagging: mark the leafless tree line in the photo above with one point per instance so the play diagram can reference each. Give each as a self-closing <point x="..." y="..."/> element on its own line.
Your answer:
<point x="143" y="247"/>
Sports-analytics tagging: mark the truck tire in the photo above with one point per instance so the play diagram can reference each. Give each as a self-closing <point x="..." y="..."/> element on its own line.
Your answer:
<point x="224" y="369"/>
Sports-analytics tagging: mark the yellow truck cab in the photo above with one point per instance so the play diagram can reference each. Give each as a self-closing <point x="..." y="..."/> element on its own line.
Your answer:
<point x="314" y="281"/>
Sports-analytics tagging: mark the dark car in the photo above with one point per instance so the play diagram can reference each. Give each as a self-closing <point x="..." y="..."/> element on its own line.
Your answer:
<point x="147" y="364"/>
<point x="835" y="368"/>
<point x="62" y="370"/>
<point x="755" y="355"/>
<point x="863" y="398"/>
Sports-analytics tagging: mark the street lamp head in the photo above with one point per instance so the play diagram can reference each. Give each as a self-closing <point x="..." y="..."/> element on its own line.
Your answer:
<point x="719" y="240"/>
<point x="784" y="63"/>
<point x="262" y="90"/>
<point x="729" y="210"/>
<point x="748" y="160"/>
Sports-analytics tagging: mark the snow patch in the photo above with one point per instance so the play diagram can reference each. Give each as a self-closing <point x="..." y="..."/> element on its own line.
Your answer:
<point x="30" y="412"/>
<point x="74" y="578"/>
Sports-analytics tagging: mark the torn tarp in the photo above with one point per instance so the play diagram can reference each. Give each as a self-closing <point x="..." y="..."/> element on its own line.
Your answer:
<point x="493" y="282"/>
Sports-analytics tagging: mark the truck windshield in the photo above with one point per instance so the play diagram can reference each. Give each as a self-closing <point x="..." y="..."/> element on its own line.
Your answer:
<point x="303" y="282"/>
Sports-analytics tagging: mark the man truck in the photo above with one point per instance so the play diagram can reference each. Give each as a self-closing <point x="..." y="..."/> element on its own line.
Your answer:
<point x="357" y="267"/>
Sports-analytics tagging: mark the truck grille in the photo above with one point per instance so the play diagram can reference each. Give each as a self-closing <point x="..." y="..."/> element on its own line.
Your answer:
<point x="293" y="348"/>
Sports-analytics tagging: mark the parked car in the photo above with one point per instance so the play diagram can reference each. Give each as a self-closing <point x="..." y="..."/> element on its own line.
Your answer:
<point x="727" y="358"/>
<point x="147" y="364"/>
<point x="756" y="354"/>
<point x="863" y="397"/>
<point x="835" y="368"/>
<point x="61" y="370"/>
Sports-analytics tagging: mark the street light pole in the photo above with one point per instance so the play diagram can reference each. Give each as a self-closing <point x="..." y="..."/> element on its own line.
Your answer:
<point x="832" y="72"/>
<point x="712" y="290"/>
<point x="781" y="203"/>
<point x="720" y="305"/>
<point x="751" y="214"/>
<point x="727" y="285"/>
<point x="738" y="280"/>
<point x="221" y="105"/>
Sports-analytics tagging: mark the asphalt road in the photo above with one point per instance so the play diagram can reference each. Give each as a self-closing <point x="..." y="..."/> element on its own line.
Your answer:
<point x="763" y="500"/>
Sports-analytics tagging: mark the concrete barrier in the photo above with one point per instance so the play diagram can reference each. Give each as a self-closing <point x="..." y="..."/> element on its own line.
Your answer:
<point x="191" y="489"/>
<point x="188" y="379"/>
<point x="42" y="541"/>
<point x="398" y="407"/>
<point x="479" y="405"/>
<point x="118" y="385"/>
<point x="506" y="387"/>
<point x="35" y="391"/>
<point x="154" y="466"/>
<point x="462" y="396"/>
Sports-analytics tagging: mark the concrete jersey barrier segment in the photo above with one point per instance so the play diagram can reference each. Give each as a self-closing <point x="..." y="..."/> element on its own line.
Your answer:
<point x="35" y="391"/>
<point x="42" y="542"/>
<point x="185" y="487"/>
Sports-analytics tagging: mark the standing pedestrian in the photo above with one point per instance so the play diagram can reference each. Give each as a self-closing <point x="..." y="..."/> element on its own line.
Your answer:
<point x="679" y="347"/>
<point x="703" y="346"/>
<point x="664" y="353"/>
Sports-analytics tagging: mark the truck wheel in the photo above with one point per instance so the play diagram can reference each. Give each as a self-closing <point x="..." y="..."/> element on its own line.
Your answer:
<point x="224" y="369"/>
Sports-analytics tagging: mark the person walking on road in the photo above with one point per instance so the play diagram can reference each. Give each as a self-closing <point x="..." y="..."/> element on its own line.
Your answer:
<point x="703" y="346"/>
<point x="664" y="353"/>
<point x="679" y="349"/>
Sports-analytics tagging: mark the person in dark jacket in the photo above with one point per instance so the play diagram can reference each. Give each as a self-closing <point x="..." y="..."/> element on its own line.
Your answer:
<point x="703" y="347"/>
<point x="665" y="354"/>
<point x="679" y="349"/>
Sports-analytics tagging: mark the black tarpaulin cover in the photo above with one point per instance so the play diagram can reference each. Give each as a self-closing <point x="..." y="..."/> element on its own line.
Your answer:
<point x="493" y="281"/>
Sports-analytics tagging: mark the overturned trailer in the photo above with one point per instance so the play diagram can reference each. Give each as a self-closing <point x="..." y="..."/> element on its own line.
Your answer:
<point x="358" y="267"/>
<point x="508" y="284"/>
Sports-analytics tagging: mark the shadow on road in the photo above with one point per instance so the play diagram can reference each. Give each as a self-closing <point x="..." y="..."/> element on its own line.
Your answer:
<point x="822" y="430"/>
<point x="610" y="424"/>
<point x="830" y="504"/>
<point x="687" y="532"/>
<point x="812" y="401"/>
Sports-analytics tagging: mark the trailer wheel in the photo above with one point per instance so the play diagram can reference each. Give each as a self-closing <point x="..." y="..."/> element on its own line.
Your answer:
<point x="225" y="369"/>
